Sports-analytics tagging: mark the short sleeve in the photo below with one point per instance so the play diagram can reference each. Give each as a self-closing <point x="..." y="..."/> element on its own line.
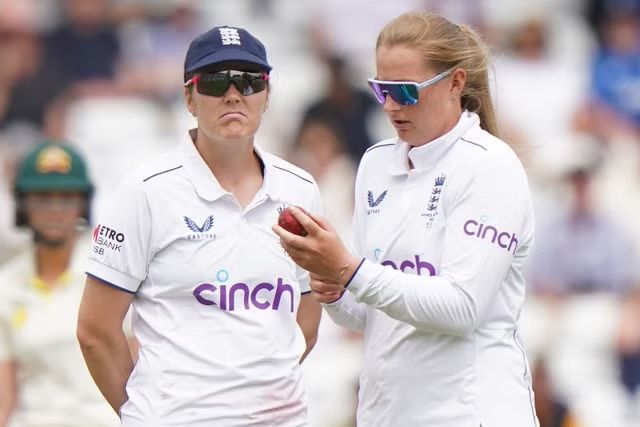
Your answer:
<point x="120" y="252"/>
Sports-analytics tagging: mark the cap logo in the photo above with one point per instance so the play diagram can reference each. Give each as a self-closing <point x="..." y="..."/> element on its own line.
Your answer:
<point x="53" y="159"/>
<point x="229" y="36"/>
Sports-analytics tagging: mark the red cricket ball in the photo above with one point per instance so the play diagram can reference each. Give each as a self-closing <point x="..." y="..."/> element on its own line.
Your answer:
<point x="289" y="222"/>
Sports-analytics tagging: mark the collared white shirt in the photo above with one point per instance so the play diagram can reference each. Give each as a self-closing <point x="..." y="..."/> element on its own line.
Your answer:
<point x="38" y="333"/>
<point x="441" y="288"/>
<point x="216" y="296"/>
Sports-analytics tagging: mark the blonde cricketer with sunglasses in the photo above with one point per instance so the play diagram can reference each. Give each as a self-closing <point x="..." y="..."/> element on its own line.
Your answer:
<point x="222" y="314"/>
<point x="443" y="224"/>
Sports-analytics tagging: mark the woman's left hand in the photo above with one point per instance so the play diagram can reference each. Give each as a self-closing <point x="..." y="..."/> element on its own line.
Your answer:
<point x="325" y="292"/>
<point x="320" y="252"/>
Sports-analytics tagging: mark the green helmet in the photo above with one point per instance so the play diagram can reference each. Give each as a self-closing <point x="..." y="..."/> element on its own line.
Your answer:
<point x="51" y="166"/>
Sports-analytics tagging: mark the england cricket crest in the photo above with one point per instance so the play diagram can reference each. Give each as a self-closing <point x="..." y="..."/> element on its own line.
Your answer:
<point x="433" y="198"/>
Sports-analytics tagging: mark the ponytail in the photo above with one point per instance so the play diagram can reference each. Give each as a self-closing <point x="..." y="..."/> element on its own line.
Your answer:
<point x="476" y="95"/>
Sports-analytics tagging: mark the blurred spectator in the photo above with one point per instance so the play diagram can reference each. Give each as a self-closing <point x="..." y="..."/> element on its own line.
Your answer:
<point x="582" y="250"/>
<point x="550" y="409"/>
<point x="596" y="12"/>
<point x="158" y="43"/>
<point x="43" y="380"/>
<point x="349" y="29"/>
<point x="616" y="74"/>
<point x="28" y="86"/>
<point x="583" y="267"/>
<point x="28" y="80"/>
<point x="628" y="346"/>
<point x="345" y="105"/>
<point x="320" y="149"/>
<point x="87" y="42"/>
<point x="529" y="80"/>
<point x="531" y="115"/>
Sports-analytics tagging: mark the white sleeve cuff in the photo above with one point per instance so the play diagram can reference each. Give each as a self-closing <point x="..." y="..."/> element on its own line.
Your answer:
<point x="366" y="272"/>
<point x="347" y="312"/>
<point x="113" y="277"/>
<point x="335" y="304"/>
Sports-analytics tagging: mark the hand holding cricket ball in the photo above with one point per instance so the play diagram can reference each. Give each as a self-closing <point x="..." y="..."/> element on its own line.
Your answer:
<point x="314" y="245"/>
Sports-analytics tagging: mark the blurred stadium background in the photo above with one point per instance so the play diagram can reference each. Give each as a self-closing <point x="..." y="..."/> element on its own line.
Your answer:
<point x="106" y="75"/>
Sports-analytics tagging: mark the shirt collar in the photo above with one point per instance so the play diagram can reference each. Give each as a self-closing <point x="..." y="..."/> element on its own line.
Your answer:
<point x="425" y="156"/>
<point x="43" y="288"/>
<point x="270" y="184"/>
<point x="205" y="182"/>
<point x="70" y="277"/>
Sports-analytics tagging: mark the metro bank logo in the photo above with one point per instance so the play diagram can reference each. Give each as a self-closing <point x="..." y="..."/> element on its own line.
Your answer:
<point x="263" y="296"/>
<point x="107" y="238"/>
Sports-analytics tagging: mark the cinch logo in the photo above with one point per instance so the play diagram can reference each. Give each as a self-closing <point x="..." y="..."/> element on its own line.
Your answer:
<point x="263" y="296"/>
<point x="489" y="232"/>
<point x="106" y="238"/>
<point x="375" y="202"/>
<point x="418" y="266"/>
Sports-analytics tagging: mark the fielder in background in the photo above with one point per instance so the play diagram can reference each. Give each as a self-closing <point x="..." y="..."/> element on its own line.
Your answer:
<point x="222" y="315"/>
<point x="443" y="224"/>
<point x="43" y="378"/>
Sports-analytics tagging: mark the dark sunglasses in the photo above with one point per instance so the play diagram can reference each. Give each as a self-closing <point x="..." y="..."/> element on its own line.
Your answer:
<point x="217" y="84"/>
<point x="404" y="93"/>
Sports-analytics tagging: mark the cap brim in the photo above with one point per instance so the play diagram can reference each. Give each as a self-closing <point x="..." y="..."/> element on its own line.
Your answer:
<point x="53" y="183"/>
<point x="228" y="55"/>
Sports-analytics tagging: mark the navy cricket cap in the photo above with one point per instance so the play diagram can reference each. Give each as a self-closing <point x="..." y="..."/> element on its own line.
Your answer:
<point x="222" y="44"/>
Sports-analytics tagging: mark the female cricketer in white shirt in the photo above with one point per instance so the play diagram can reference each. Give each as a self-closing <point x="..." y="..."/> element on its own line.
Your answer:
<point x="443" y="223"/>
<point x="222" y="315"/>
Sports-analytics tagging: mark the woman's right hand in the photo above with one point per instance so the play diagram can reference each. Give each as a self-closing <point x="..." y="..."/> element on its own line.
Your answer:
<point x="320" y="251"/>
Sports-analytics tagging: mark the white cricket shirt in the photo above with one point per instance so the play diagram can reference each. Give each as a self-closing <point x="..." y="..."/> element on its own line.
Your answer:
<point x="38" y="332"/>
<point x="441" y="288"/>
<point x="216" y="296"/>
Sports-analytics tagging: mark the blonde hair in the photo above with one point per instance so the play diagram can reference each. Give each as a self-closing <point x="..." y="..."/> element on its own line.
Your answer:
<point x="446" y="45"/>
